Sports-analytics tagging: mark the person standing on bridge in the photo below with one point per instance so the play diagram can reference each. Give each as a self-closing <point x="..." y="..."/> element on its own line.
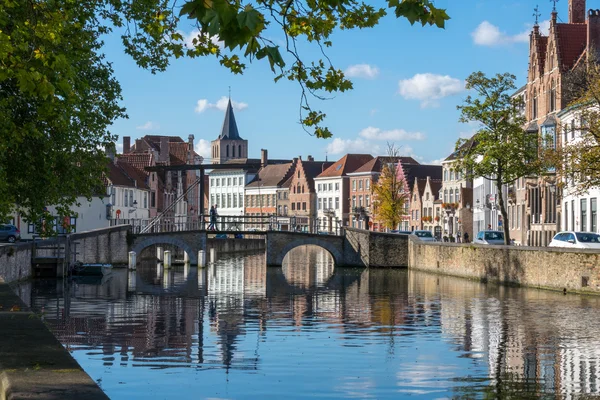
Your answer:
<point x="213" y="218"/>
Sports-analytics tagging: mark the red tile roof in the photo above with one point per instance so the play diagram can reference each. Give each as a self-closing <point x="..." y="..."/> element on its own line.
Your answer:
<point x="133" y="173"/>
<point x="348" y="163"/>
<point x="138" y="160"/>
<point x="572" y="41"/>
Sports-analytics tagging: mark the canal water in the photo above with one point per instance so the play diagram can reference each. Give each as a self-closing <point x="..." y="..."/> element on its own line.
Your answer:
<point x="239" y="330"/>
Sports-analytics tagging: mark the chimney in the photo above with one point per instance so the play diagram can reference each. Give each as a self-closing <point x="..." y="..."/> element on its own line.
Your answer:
<point x="191" y="142"/>
<point x="263" y="158"/>
<point x="126" y="144"/>
<point x="593" y="34"/>
<point x="576" y="11"/>
<point x="300" y="158"/>
<point x="163" y="156"/>
<point x="310" y="158"/>
<point x="138" y="145"/>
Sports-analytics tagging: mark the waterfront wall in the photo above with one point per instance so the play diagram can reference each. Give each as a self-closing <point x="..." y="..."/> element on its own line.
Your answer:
<point x="376" y="249"/>
<point x="15" y="262"/>
<point x="235" y="245"/>
<point x="547" y="268"/>
<point x="105" y="245"/>
<point x="33" y="363"/>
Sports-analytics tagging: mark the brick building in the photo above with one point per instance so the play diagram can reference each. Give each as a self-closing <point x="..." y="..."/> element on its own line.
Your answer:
<point x="550" y="59"/>
<point x="302" y="194"/>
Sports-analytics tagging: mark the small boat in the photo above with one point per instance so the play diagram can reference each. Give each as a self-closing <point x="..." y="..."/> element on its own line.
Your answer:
<point x="91" y="269"/>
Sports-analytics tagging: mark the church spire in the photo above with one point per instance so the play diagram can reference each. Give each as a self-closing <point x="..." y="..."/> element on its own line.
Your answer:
<point x="229" y="130"/>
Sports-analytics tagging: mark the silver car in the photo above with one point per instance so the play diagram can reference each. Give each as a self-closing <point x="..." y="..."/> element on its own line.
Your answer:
<point x="425" y="236"/>
<point x="489" y="238"/>
<point x="9" y="233"/>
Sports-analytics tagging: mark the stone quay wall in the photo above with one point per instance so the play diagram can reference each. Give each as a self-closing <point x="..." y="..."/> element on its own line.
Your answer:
<point x="376" y="249"/>
<point x="538" y="267"/>
<point x="235" y="245"/>
<point x="106" y="245"/>
<point x="15" y="262"/>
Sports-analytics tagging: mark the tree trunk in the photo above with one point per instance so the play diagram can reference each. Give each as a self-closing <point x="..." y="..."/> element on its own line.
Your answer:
<point x="503" y="210"/>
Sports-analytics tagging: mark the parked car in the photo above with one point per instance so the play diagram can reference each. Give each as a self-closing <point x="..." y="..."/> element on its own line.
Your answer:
<point x="490" y="238"/>
<point x="425" y="236"/>
<point x="9" y="233"/>
<point x="576" y="240"/>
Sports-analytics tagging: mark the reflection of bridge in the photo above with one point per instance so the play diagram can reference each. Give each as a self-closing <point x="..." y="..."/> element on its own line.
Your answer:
<point x="354" y="248"/>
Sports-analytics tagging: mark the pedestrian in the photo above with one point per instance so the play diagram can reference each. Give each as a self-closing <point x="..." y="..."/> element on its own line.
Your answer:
<point x="466" y="237"/>
<point x="489" y="227"/>
<point x="213" y="218"/>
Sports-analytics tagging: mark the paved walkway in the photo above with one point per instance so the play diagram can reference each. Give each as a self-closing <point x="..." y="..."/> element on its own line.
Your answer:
<point x="33" y="364"/>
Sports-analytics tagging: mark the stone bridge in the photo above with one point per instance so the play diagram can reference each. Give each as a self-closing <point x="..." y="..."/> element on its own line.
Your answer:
<point x="355" y="248"/>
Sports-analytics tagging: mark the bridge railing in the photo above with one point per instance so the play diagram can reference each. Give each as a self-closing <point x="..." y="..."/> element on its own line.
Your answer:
<point x="242" y="223"/>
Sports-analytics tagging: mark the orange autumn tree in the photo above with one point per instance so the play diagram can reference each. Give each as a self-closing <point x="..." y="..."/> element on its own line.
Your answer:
<point x="389" y="194"/>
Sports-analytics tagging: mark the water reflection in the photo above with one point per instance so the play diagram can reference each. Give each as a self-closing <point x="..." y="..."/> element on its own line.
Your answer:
<point x="237" y="329"/>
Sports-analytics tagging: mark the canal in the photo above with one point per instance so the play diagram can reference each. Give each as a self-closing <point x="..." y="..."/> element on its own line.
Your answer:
<point x="239" y="330"/>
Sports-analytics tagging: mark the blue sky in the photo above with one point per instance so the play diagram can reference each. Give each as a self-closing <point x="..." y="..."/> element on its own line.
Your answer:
<point x="408" y="81"/>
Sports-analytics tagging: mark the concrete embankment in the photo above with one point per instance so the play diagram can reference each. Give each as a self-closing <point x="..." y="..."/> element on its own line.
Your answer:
<point x="544" y="268"/>
<point x="33" y="364"/>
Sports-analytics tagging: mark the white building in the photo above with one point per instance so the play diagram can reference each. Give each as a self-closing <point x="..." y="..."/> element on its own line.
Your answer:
<point x="486" y="212"/>
<point x="227" y="190"/>
<point x="333" y="192"/>
<point x="579" y="210"/>
<point x="129" y="194"/>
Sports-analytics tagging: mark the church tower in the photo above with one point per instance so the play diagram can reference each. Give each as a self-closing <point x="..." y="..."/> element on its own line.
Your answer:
<point x="229" y="145"/>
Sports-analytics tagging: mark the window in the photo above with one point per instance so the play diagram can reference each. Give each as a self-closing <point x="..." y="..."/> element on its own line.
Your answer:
<point x="457" y="195"/>
<point x="233" y="151"/>
<point x="145" y="199"/>
<point x="298" y="205"/>
<point x="330" y="203"/>
<point x="552" y="93"/>
<point x="319" y="187"/>
<point x="293" y="206"/>
<point x="239" y="150"/>
<point x="222" y="181"/>
<point x="519" y="216"/>
<point x="534" y="105"/>
<point x="445" y="175"/>
<point x="227" y="150"/>
<point x="445" y="195"/>
<point x="302" y="188"/>
<point x="337" y="203"/>
<point x="303" y="206"/>
<point x="368" y="183"/>
<point x="594" y="215"/>
<point x="153" y="199"/>
<point x="278" y="210"/>
<point x="217" y="182"/>
<point x="360" y="185"/>
<point x="241" y="180"/>
<point x="330" y="187"/>
<point x="451" y="196"/>
<point x="234" y="201"/>
<point x="583" y="215"/>
<point x="354" y="186"/>
<point x="125" y="199"/>
<point x="427" y="196"/>
<point x="319" y="204"/>
<point x="228" y="181"/>
<point x="451" y="175"/>
<point x="337" y="186"/>
<point x="229" y="200"/>
<point x="212" y="199"/>
<point x="353" y="201"/>
<point x="298" y="174"/>
<point x="285" y="209"/>
<point x="360" y="201"/>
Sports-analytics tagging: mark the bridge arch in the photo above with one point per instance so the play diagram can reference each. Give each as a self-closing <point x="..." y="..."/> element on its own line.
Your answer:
<point x="140" y="244"/>
<point x="329" y="247"/>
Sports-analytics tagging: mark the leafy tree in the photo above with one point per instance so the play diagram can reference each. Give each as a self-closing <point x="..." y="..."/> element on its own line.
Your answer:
<point x="389" y="193"/>
<point x="57" y="98"/>
<point x="501" y="150"/>
<point x="581" y="158"/>
<point x="58" y="95"/>
<point x="231" y="31"/>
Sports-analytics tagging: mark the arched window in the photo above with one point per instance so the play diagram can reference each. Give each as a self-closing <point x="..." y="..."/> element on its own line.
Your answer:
<point x="534" y="104"/>
<point x="240" y="151"/>
<point x="294" y="189"/>
<point x="298" y="190"/>
<point x="302" y="188"/>
<point x="227" y="151"/>
<point x="233" y="151"/>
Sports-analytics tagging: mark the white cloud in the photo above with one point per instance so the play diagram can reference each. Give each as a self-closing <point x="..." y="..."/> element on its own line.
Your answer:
<point x="428" y="88"/>
<point x="119" y="148"/>
<point x="365" y="71"/>
<point x="344" y="146"/>
<point x="436" y="162"/>
<point x="391" y="135"/>
<point x="148" y="126"/>
<point x="203" y="148"/>
<point x="488" y="34"/>
<point x="188" y="39"/>
<point x="221" y="105"/>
